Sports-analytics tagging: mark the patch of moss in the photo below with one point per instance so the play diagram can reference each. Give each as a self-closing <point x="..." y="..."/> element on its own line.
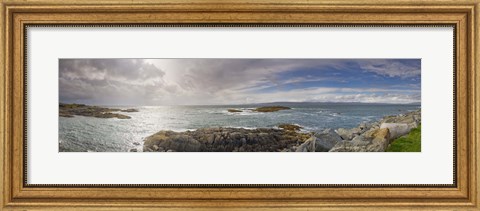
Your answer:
<point x="290" y="127"/>
<point x="408" y="143"/>
<point x="296" y="136"/>
<point x="271" y="108"/>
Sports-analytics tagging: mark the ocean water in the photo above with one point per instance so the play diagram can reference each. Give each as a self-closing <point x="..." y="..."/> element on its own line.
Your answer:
<point x="82" y="134"/>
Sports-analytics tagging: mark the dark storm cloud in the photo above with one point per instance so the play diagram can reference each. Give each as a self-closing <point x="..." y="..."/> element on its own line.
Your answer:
<point x="111" y="69"/>
<point x="232" y="81"/>
<point x="108" y="80"/>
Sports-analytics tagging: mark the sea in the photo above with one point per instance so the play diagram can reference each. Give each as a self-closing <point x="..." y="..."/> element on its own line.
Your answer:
<point x="89" y="134"/>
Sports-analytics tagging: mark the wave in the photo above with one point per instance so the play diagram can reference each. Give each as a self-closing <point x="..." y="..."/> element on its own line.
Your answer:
<point x="248" y="128"/>
<point x="335" y="114"/>
<point x="96" y="134"/>
<point x="245" y="112"/>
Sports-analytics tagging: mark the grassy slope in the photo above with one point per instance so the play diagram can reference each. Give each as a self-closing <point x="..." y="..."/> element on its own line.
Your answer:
<point x="408" y="143"/>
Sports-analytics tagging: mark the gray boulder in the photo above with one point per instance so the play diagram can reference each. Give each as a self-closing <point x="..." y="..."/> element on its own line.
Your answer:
<point x="348" y="134"/>
<point x="376" y="136"/>
<point x="398" y="129"/>
<point x="326" y="140"/>
<point x="361" y="140"/>
<point x="364" y="126"/>
<point x="413" y="117"/>
<point x="374" y="140"/>
<point x="308" y="145"/>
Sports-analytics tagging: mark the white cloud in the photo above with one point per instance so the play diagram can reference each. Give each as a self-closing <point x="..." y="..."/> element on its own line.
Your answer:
<point x="391" y="68"/>
<point x="215" y="81"/>
<point x="327" y="94"/>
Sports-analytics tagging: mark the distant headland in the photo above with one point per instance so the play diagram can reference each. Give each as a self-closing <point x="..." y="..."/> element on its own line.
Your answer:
<point x="71" y="110"/>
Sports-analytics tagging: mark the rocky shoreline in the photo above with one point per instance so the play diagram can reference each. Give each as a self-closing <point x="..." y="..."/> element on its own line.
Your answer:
<point x="224" y="140"/>
<point x="71" y="110"/>
<point x="377" y="136"/>
<point x="366" y="137"/>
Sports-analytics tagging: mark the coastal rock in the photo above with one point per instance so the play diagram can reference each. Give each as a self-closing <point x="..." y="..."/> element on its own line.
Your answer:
<point x="172" y="141"/>
<point x="308" y="145"/>
<point x="347" y="146"/>
<point x="374" y="140"/>
<point x="398" y="129"/>
<point x="70" y="110"/>
<point x="234" y="110"/>
<point x="129" y="110"/>
<point x="348" y="134"/>
<point x="290" y="127"/>
<point x="133" y="150"/>
<point x="111" y="115"/>
<point x="367" y="137"/>
<point x="413" y="117"/>
<point x="381" y="139"/>
<point x="225" y="140"/>
<point x="364" y="126"/>
<point x="376" y="136"/>
<point x="270" y="108"/>
<point x="65" y="114"/>
<point x="326" y="140"/>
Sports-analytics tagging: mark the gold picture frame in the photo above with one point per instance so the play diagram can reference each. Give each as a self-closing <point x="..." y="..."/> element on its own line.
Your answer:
<point x="17" y="15"/>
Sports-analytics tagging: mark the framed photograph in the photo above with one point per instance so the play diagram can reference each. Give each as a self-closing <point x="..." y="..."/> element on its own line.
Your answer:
<point x="241" y="104"/>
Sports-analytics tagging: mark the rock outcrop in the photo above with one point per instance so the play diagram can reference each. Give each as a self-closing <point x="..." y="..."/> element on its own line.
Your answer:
<point x="326" y="140"/>
<point x="348" y="134"/>
<point x="169" y="140"/>
<point x="374" y="140"/>
<point x="290" y="127"/>
<point x="398" y="129"/>
<point x="367" y="137"/>
<point x="307" y="146"/>
<point x="270" y="108"/>
<point x="226" y="140"/>
<point x="71" y="110"/>
<point x="375" y="137"/>
<point x="265" y="109"/>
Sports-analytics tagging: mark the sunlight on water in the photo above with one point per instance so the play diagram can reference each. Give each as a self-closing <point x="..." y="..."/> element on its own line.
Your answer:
<point x="113" y="135"/>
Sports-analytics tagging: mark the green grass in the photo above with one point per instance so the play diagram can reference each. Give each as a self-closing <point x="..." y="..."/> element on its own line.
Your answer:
<point x="407" y="143"/>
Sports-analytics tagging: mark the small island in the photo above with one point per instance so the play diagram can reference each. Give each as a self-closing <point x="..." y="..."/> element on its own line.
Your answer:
<point x="129" y="110"/>
<point x="231" y="110"/>
<point x="270" y="108"/>
<point x="71" y="110"/>
<point x="261" y="109"/>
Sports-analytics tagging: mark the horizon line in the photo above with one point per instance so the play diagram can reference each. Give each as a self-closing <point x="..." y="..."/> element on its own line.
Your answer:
<point x="411" y="103"/>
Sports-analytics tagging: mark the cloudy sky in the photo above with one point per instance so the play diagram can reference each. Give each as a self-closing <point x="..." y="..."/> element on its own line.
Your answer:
<point x="237" y="81"/>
